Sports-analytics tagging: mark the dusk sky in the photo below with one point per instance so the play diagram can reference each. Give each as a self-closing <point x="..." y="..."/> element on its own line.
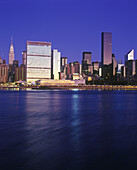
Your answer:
<point x="72" y="26"/>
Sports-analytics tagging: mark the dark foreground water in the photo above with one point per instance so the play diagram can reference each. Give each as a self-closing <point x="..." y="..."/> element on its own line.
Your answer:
<point x="68" y="130"/>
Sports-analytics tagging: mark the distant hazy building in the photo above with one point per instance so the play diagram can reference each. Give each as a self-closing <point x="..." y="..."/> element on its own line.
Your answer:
<point x="1" y="60"/>
<point x="72" y="68"/>
<point x="129" y="55"/>
<point x="106" y="48"/>
<point x="87" y="68"/>
<point x="63" y="61"/>
<point x="55" y="66"/>
<point x="119" y="66"/>
<point x="95" y="67"/>
<point x="38" y="61"/>
<point x="123" y="71"/>
<point x="24" y="56"/>
<point x="76" y="67"/>
<point x="11" y="54"/>
<point x="20" y="73"/>
<point x="114" y="65"/>
<point x="130" y="69"/>
<point x="3" y="72"/>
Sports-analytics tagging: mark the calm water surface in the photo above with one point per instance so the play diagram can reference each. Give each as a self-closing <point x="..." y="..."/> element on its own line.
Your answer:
<point x="68" y="130"/>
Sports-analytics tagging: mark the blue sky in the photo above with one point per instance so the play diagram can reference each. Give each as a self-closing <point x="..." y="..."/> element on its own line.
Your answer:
<point x="73" y="26"/>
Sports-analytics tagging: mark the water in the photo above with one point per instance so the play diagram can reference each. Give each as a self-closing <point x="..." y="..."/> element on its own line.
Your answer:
<point x="68" y="130"/>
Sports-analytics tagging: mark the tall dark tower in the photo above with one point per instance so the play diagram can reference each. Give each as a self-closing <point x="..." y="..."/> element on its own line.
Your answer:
<point x="11" y="53"/>
<point x="106" y="55"/>
<point x="106" y="48"/>
<point x="87" y="68"/>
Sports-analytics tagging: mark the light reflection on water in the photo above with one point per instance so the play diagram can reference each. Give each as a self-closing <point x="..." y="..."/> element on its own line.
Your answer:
<point x="68" y="129"/>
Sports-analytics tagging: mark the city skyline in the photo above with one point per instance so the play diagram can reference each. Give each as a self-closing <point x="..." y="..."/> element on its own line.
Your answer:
<point x="77" y="31"/>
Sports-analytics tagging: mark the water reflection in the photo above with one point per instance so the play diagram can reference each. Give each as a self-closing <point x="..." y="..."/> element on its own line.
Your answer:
<point x="67" y="129"/>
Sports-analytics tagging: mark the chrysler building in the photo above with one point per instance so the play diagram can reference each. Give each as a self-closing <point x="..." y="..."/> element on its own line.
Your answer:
<point x="11" y="53"/>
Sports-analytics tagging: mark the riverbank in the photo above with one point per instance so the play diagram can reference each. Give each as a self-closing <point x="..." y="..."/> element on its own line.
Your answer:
<point x="86" y="87"/>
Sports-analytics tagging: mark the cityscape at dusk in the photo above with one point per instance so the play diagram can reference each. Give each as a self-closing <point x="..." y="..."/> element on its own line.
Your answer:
<point x="68" y="84"/>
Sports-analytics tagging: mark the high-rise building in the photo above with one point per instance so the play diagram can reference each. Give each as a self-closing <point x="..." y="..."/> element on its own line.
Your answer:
<point x="38" y="61"/>
<point x="24" y="55"/>
<point x="106" y="55"/>
<point x="20" y="73"/>
<point x="1" y="60"/>
<point x="11" y="54"/>
<point x="72" y="68"/>
<point x="76" y="67"/>
<point x="106" y="48"/>
<point x="129" y="55"/>
<point x="87" y="68"/>
<point x="130" y="69"/>
<point x="63" y="61"/>
<point x="95" y="67"/>
<point x="3" y="72"/>
<point x="55" y="64"/>
<point x="114" y="65"/>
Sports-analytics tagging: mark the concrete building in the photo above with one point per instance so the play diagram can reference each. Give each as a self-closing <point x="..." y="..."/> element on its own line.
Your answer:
<point x="3" y="72"/>
<point x="129" y="55"/>
<point x="20" y="73"/>
<point x="130" y="69"/>
<point x="11" y="54"/>
<point x="38" y="65"/>
<point x="1" y="60"/>
<point x="55" y="66"/>
<point x="24" y="56"/>
<point x="95" y="67"/>
<point x="114" y="65"/>
<point x="76" y="67"/>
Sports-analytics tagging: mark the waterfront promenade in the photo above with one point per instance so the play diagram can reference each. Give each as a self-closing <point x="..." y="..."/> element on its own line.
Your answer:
<point x="68" y="87"/>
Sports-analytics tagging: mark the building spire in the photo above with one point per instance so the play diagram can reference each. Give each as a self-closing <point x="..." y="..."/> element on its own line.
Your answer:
<point x="11" y="52"/>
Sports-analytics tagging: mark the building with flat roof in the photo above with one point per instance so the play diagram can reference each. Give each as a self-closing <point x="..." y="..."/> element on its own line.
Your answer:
<point x="87" y="68"/>
<point x="106" y="48"/>
<point x="24" y="55"/>
<point x="38" y="61"/>
<point x="55" y="64"/>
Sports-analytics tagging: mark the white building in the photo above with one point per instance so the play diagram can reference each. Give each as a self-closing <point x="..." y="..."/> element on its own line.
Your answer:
<point x="129" y="55"/>
<point x="38" y="62"/>
<point x="119" y="68"/>
<point x="56" y="64"/>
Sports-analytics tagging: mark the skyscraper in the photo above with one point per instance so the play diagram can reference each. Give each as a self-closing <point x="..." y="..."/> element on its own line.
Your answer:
<point x="11" y="54"/>
<point x="87" y="68"/>
<point x="106" y="55"/>
<point x="129" y="55"/>
<point x="55" y="66"/>
<point x="24" y="55"/>
<point x="38" y="65"/>
<point x="106" y="48"/>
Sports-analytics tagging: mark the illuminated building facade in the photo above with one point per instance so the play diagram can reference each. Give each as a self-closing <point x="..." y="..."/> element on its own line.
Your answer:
<point x="129" y="55"/>
<point x="11" y="54"/>
<point x="87" y="68"/>
<point x="106" y="47"/>
<point x="38" y="61"/>
<point x="24" y="55"/>
<point x="55" y="64"/>
<point x="3" y="72"/>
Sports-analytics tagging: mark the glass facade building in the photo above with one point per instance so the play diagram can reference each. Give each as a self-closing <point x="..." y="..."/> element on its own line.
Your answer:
<point x="38" y="61"/>
<point x="106" y="38"/>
